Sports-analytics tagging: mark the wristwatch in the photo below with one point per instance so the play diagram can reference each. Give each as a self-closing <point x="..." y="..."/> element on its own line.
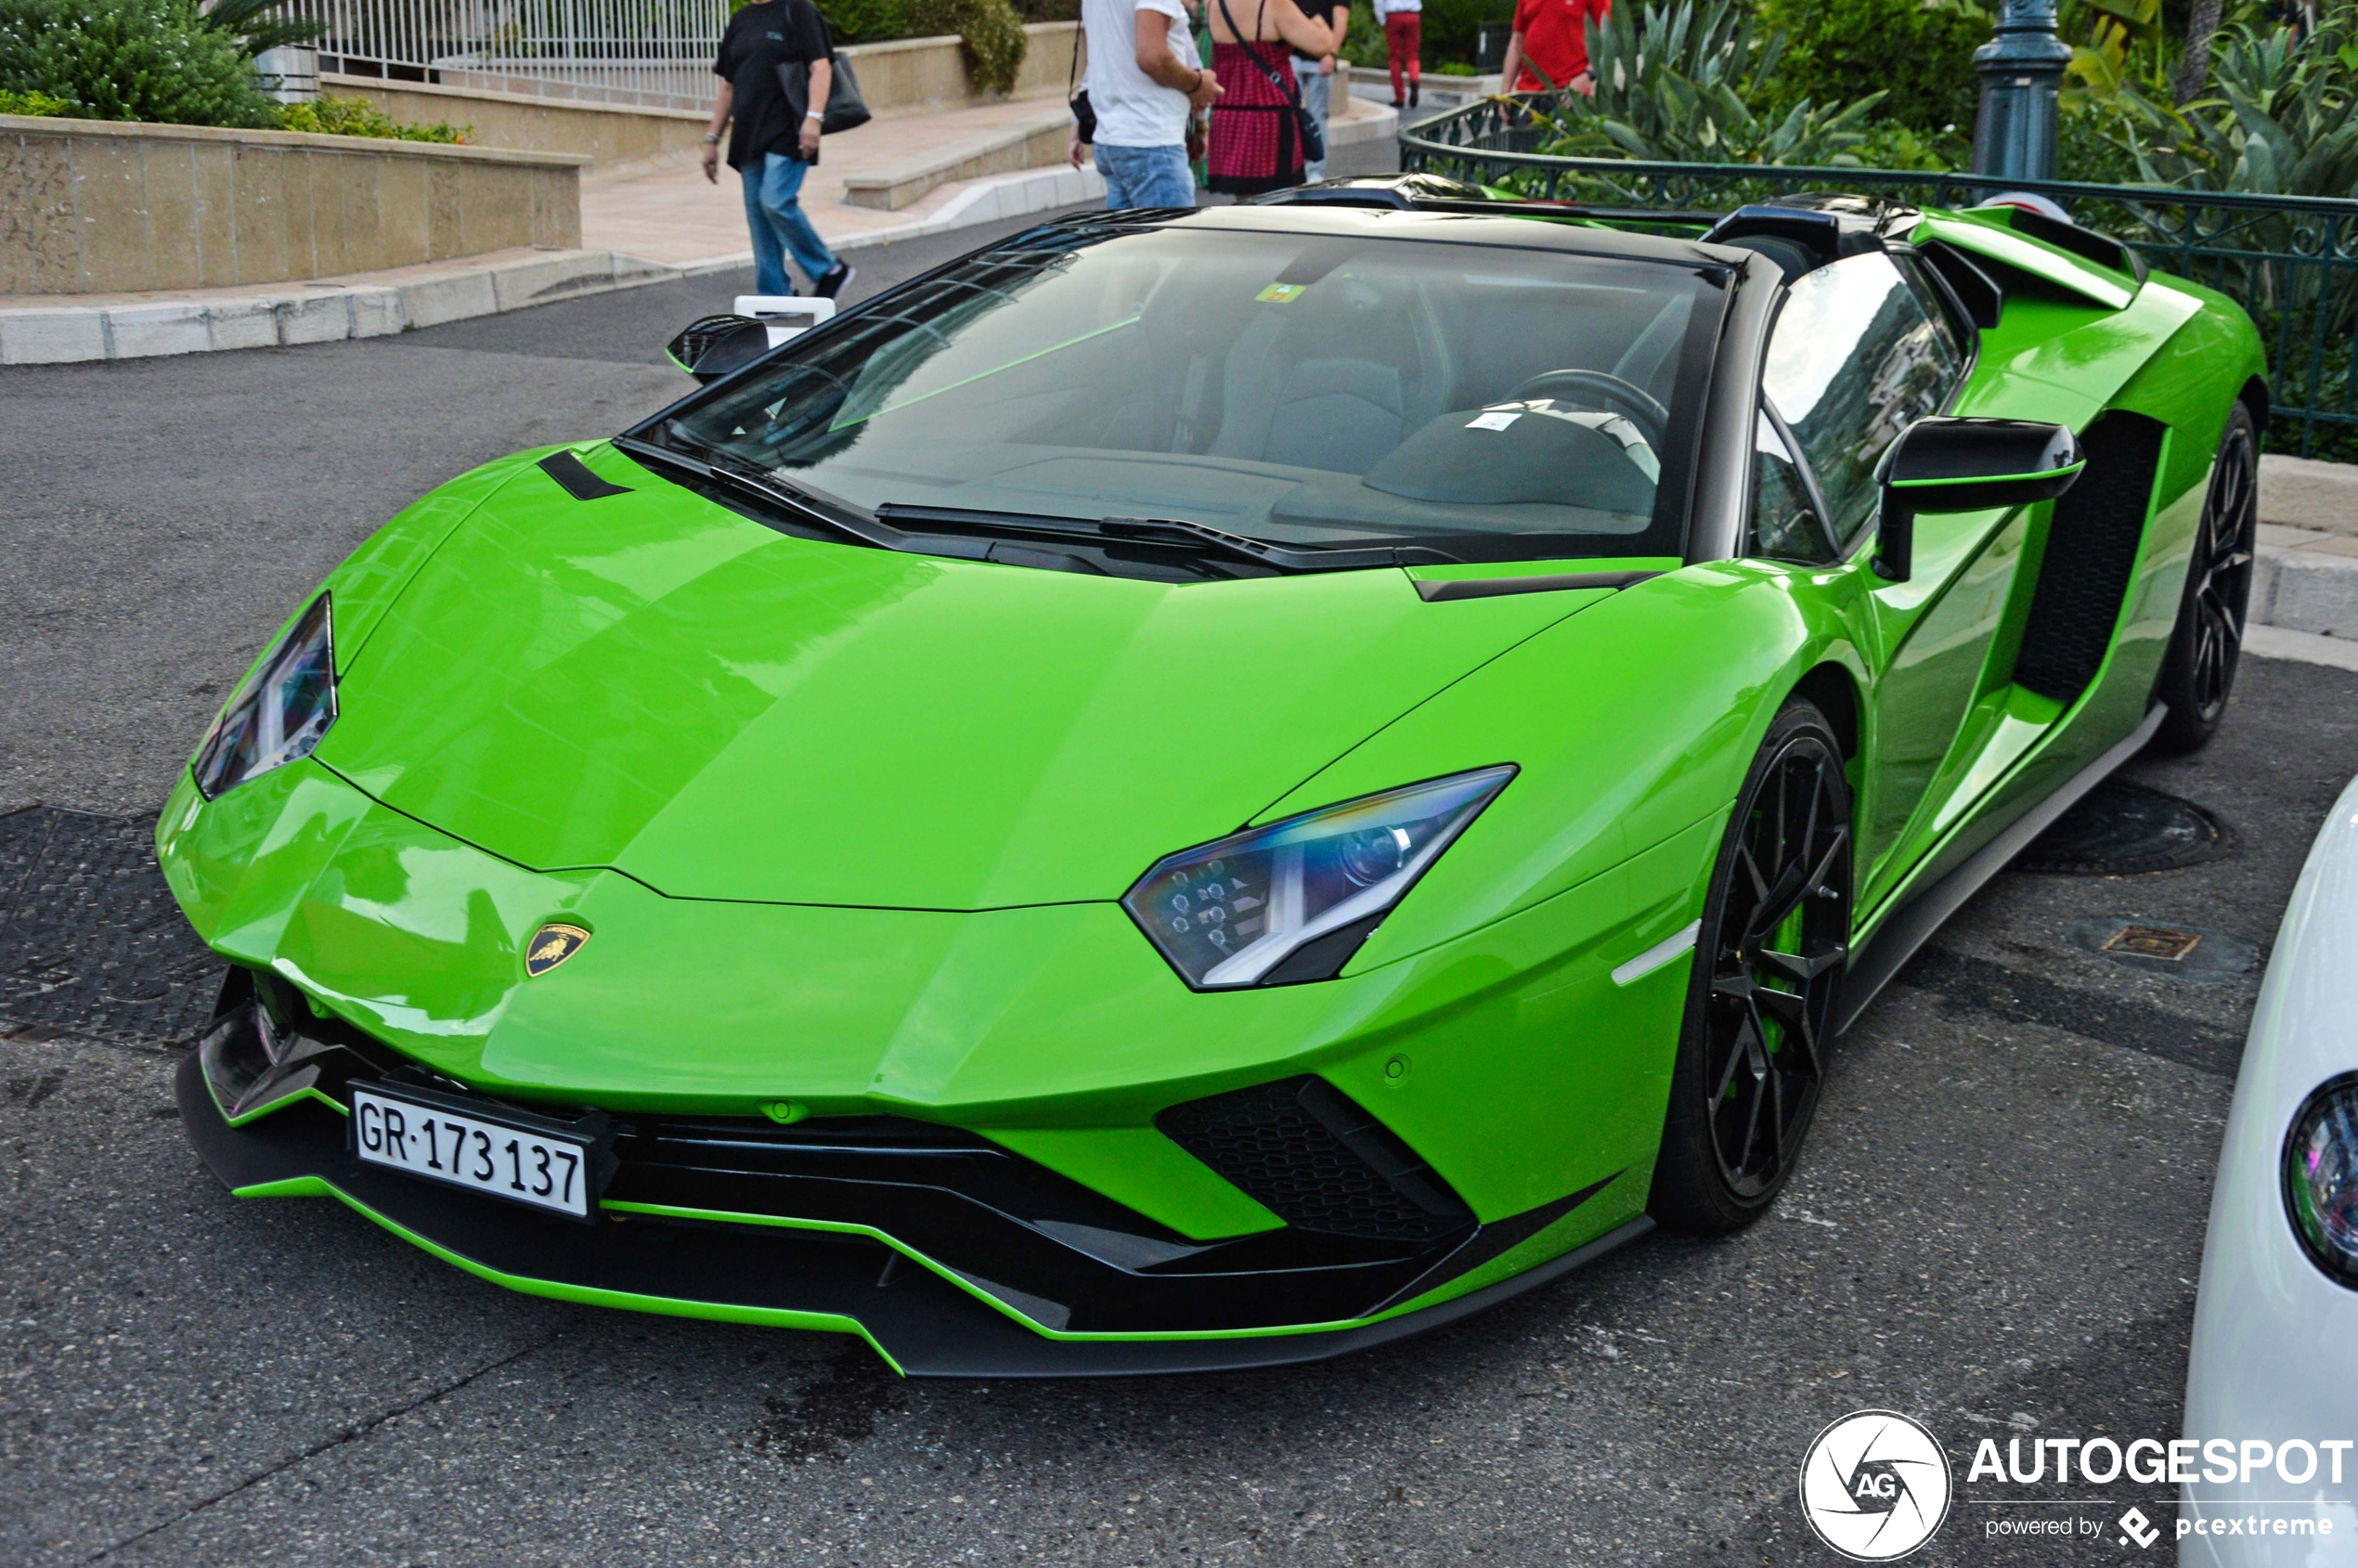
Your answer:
<point x="712" y="141"/>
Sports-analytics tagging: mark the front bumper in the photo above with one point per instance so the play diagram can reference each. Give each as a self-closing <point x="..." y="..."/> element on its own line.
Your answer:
<point x="954" y="1257"/>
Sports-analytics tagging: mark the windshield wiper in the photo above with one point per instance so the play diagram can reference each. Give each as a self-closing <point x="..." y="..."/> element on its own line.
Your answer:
<point x="1196" y="537"/>
<point x="776" y="494"/>
<point x="890" y="526"/>
<point x="1286" y="558"/>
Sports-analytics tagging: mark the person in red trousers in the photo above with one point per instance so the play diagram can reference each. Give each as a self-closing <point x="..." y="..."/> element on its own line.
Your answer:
<point x="1404" y="24"/>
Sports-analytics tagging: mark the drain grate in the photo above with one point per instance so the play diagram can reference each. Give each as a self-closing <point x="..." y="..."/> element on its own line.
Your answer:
<point x="2165" y="943"/>
<point x="91" y="940"/>
<point x="2122" y="829"/>
<point x="2182" y="952"/>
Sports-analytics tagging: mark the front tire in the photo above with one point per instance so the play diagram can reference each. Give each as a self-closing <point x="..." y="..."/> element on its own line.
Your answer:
<point x="2198" y="673"/>
<point x="1766" y="978"/>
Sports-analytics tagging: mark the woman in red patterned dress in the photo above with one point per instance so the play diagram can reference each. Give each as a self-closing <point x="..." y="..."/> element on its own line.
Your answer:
<point x="1256" y="142"/>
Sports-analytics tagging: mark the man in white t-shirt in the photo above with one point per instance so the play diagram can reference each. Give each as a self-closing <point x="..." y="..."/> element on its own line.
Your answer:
<point x="1143" y="83"/>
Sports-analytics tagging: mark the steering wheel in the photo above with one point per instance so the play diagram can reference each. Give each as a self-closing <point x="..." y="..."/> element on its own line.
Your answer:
<point x="1598" y="388"/>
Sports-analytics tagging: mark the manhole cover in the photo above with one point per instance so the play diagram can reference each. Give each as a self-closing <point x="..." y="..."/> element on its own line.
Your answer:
<point x="2120" y="829"/>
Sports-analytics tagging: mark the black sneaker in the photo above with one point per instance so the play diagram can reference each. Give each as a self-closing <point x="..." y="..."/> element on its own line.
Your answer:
<point x="834" y="283"/>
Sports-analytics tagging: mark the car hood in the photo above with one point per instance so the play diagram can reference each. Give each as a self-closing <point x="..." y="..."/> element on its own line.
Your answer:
<point x="654" y="683"/>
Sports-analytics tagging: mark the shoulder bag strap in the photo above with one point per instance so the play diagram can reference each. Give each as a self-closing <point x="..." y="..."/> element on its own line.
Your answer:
<point x="1288" y="90"/>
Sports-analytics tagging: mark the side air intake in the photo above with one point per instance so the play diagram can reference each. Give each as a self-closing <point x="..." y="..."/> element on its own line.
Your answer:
<point x="2092" y="550"/>
<point x="1306" y="1153"/>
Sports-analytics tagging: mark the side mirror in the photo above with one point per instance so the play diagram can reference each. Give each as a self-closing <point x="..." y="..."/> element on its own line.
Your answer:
<point x="713" y="346"/>
<point x="1942" y="464"/>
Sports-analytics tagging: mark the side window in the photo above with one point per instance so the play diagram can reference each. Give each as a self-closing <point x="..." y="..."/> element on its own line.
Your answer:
<point x="1941" y="311"/>
<point x="1860" y="353"/>
<point x="1785" y="524"/>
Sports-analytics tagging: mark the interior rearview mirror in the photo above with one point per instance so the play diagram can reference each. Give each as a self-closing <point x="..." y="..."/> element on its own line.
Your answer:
<point x="713" y="346"/>
<point x="1942" y="464"/>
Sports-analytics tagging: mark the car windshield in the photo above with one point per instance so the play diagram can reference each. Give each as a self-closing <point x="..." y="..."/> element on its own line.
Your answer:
<point x="1304" y="390"/>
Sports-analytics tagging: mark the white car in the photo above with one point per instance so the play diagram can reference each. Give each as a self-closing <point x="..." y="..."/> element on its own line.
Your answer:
<point x="2272" y="1388"/>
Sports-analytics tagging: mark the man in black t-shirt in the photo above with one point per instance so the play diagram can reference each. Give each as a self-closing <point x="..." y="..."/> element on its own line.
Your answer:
<point x="772" y="146"/>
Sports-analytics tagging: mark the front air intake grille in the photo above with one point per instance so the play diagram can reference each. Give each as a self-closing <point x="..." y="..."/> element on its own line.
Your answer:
<point x="1308" y="1154"/>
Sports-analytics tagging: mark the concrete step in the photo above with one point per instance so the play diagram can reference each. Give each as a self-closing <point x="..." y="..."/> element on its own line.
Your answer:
<point x="1035" y="142"/>
<point x="1040" y="142"/>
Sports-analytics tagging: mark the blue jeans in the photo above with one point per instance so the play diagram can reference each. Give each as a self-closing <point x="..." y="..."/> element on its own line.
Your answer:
<point x="775" y="214"/>
<point x="1314" y="98"/>
<point x="1145" y="176"/>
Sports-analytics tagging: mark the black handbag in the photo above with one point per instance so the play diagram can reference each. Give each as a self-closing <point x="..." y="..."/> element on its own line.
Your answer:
<point x="1313" y="140"/>
<point x="1084" y="114"/>
<point x="846" y="111"/>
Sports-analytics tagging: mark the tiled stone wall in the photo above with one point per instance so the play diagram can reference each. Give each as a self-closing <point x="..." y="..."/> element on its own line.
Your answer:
<point x="100" y="207"/>
<point x="925" y="75"/>
<point x="609" y="133"/>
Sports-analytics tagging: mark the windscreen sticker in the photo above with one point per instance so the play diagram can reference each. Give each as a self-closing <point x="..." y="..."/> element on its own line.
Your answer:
<point x="1282" y="293"/>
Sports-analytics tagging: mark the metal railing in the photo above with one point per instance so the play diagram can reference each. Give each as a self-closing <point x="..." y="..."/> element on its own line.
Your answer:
<point x="2291" y="260"/>
<point x="645" y="53"/>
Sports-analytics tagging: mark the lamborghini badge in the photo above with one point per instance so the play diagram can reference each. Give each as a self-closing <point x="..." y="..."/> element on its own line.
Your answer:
<point x="550" y="946"/>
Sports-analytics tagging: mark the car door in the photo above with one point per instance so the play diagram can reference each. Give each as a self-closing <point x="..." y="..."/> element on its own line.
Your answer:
<point x="1861" y="350"/>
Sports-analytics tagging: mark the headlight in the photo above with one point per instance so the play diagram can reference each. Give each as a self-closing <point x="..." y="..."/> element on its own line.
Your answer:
<point x="1293" y="901"/>
<point x="278" y="713"/>
<point x="2321" y="1176"/>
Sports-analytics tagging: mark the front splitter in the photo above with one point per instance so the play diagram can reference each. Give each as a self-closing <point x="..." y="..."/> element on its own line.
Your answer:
<point x="779" y="1275"/>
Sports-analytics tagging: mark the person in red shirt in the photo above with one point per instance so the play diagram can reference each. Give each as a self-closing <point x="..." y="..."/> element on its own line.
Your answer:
<point x="1549" y="45"/>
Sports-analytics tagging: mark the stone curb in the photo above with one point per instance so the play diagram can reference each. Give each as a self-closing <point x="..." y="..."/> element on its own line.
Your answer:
<point x="2305" y="647"/>
<point x="51" y="335"/>
<point x="2303" y="590"/>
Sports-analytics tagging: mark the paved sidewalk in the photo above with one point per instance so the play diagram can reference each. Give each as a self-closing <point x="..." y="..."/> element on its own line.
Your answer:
<point x="665" y="211"/>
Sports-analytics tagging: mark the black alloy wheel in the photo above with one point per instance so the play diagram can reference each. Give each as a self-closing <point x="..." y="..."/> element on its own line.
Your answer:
<point x="1767" y="973"/>
<point x="2198" y="673"/>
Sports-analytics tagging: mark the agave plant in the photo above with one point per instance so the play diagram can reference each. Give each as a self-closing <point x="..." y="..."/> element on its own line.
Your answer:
<point x="1677" y="83"/>
<point x="2115" y="45"/>
<point x="2281" y="118"/>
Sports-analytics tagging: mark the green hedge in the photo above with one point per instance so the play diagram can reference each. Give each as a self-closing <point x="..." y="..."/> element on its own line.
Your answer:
<point x="992" y="30"/>
<point x="332" y="116"/>
<point x="1838" y="50"/>
<point x="130" y="60"/>
<point x="36" y="104"/>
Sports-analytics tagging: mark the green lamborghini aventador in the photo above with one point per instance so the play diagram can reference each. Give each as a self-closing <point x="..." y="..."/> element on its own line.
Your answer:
<point x="1204" y="789"/>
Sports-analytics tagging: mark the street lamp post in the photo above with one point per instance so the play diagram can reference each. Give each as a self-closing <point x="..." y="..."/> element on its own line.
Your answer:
<point x="2021" y="74"/>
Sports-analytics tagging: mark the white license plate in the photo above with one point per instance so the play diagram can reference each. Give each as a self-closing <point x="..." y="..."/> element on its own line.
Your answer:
<point x="516" y="1163"/>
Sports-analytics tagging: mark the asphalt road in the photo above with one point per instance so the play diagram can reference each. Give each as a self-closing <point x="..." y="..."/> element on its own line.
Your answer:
<point x="1996" y="1228"/>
